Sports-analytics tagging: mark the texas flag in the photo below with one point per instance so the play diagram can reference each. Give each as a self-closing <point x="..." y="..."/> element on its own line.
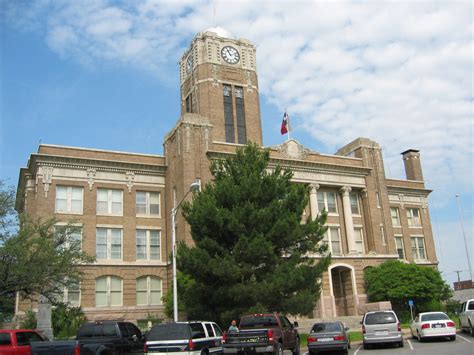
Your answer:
<point x="285" y="124"/>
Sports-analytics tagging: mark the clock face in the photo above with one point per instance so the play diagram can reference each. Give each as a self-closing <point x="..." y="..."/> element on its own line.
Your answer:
<point x="189" y="64"/>
<point x="230" y="55"/>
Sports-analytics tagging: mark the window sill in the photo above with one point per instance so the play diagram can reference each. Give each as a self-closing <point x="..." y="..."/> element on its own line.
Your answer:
<point x="109" y="215"/>
<point x="148" y="216"/>
<point x="66" y="212"/>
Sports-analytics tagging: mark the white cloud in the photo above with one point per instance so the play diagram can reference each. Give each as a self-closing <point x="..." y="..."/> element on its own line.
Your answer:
<point x="399" y="73"/>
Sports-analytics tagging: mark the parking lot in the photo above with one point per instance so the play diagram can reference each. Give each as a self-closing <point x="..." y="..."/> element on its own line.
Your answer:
<point x="464" y="344"/>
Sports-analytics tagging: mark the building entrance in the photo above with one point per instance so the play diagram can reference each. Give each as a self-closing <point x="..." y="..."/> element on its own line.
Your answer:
<point x="343" y="291"/>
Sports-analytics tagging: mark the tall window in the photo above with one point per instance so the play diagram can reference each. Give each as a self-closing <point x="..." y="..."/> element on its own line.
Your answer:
<point x="69" y="199"/>
<point x="400" y="247"/>
<point x="327" y="201"/>
<point x="72" y="235"/>
<point x="108" y="291"/>
<point x="110" y="201"/>
<point x="240" y="111"/>
<point x="148" y="203"/>
<point x="189" y="103"/>
<point x="395" y="216"/>
<point x="109" y="243"/>
<point x="149" y="291"/>
<point x="359" y="240"/>
<point x="333" y="240"/>
<point x="354" y="203"/>
<point x="148" y="244"/>
<point x="228" y="114"/>
<point x="418" y="248"/>
<point x="413" y="217"/>
<point x="70" y="295"/>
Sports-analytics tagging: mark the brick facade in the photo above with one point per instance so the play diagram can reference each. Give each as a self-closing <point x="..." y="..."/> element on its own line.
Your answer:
<point x="354" y="177"/>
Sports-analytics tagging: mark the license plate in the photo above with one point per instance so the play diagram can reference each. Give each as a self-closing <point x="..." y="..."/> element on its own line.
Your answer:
<point x="438" y="325"/>
<point x="324" y="339"/>
<point x="381" y="333"/>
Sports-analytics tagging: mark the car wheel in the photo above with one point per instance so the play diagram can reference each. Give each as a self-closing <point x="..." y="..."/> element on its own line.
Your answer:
<point x="349" y="345"/>
<point x="366" y="346"/>
<point x="296" y="350"/>
<point x="278" y="350"/>
<point x="401" y="344"/>
<point x="452" y="338"/>
<point x="420" y="339"/>
<point x="471" y="329"/>
<point x="204" y="352"/>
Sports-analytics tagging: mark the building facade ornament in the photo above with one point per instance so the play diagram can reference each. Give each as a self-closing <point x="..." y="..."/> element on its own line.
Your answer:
<point x="91" y="172"/>
<point x="130" y="177"/>
<point x="47" y="178"/>
<point x="293" y="149"/>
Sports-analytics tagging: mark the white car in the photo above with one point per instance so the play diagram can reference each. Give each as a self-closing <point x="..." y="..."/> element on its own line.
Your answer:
<point x="432" y="325"/>
<point x="466" y="317"/>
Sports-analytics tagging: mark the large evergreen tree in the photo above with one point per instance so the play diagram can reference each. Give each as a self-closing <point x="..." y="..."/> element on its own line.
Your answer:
<point x="251" y="249"/>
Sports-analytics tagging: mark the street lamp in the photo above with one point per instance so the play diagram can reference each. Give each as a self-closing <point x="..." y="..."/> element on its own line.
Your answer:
<point x="195" y="186"/>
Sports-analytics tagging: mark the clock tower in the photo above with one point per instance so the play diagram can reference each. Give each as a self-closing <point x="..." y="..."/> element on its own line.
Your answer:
<point x="218" y="80"/>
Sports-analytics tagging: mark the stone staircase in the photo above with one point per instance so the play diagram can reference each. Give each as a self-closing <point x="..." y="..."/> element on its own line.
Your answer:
<point x="305" y="324"/>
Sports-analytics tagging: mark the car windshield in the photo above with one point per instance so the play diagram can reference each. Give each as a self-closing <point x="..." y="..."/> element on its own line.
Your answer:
<point x="380" y="318"/>
<point x="258" y="321"/>
<point x="433" y="316"/>
<point x="326" y="327"/>
<point x="172" y="331"/>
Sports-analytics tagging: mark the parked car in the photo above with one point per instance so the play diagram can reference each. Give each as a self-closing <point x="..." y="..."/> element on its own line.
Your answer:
<point x="18" y="341"/>
<point x="466" y="316"/>
<point x="263" y="333"/>
<point x="326" y="336"/>
<point x="432" y="325"/>
<point x="184" y="337"/>
<point x="381" y="327"/>
<point x="99" y="338"/>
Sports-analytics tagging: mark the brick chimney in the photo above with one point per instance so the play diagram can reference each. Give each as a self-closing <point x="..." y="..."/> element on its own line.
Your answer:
<point x="413" y="171"/>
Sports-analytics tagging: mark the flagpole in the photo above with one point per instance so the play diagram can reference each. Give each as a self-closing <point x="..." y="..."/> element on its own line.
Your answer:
<point x="288" y="118"/>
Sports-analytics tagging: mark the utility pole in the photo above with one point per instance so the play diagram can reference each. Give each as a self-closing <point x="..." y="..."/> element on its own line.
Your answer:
<point x="459" y="279"/>
<point x="464" y="235"/>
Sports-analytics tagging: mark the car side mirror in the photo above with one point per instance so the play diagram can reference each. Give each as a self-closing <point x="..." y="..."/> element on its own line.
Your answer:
<point x="296" y="325"/>
<point x="360" y="322"/>
<point x="346" y="328"/>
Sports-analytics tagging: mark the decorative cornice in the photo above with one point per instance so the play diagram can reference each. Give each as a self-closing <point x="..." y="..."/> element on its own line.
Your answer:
<point x="304" y="165"/>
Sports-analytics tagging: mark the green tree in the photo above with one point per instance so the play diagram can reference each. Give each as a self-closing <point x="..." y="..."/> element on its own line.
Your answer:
<point x="35" y="257"/>
<point x="66" y="320"/>
<point x="251" y="249"/>
<point x="399" y="282"/>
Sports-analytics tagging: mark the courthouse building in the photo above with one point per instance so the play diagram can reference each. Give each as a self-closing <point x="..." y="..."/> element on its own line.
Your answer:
<point x="122" y="201"/>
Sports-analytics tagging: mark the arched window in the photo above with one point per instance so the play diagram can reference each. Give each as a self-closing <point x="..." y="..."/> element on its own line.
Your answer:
<point x="108" y="291"/>
<point x="149" y="291"/>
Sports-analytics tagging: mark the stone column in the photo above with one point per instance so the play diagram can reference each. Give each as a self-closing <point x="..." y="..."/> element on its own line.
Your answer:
<point x="346" y="202"/>
<point x="313" y="200"/>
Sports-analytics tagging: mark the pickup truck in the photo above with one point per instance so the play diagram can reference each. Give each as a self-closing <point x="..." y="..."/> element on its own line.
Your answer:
<point x="262" y="333"/>
<point x="17" y="342"/>
<point x="466" y="316"/>
<point x="98" y="338"/>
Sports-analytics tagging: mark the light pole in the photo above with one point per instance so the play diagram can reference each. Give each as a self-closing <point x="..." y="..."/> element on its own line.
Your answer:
<point x="195" y="186"/>
<point x="464" y="235"/>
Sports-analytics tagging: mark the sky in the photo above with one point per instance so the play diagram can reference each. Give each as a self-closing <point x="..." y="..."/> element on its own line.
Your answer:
<point x="104" y="74"/>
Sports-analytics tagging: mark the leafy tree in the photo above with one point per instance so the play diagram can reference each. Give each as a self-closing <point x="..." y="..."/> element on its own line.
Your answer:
<point x="66" y="320"/>
<point x="35" y="258"/>
<point x="399" y="282"/>
<point x="250" y="252"/>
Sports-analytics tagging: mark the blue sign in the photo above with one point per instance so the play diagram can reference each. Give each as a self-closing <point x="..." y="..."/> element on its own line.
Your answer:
<point x="410" y="303"/>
